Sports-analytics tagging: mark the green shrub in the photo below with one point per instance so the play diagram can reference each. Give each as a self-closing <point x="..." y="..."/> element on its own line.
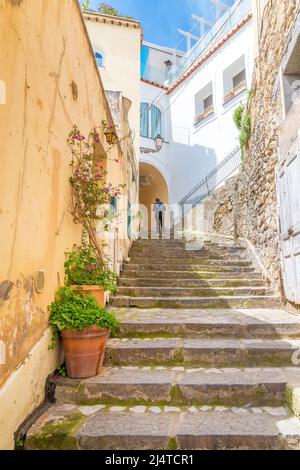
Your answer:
<point x="71" y="311"/>
<point x="83" y="267"/>
<point x="242" y="121"/>
<point x="245" y="131"/>
<point x="237" y="116"/>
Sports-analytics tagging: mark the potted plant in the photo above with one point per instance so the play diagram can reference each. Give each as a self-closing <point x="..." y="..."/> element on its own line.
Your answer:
<point x="85" y="328"/>
<point x="86" y="274"/>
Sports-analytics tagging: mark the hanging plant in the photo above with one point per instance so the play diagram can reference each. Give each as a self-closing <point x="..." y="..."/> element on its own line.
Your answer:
<point x="91" y="194"/>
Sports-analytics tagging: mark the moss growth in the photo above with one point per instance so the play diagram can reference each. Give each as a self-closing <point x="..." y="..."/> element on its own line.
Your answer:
<point x="172" y="444"/>
<point x="56" y="434"/>
<point x="178" y="355"/>
<point x="176" y="394"/>
<point x="153" y="335"/>
<point x="292" y="396"/>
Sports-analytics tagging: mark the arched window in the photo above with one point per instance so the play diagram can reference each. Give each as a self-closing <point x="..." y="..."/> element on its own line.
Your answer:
<point x="150" y="121"/>
<point x="99" y="59"/>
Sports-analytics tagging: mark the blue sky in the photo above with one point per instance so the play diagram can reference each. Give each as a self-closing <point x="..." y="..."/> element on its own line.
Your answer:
<point x="161" y="18"/>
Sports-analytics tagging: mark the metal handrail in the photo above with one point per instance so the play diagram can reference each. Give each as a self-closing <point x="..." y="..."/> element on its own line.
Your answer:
<point x="213" y="179"/>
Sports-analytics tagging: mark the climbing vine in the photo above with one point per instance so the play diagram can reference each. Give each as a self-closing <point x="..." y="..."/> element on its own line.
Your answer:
<point x="91" y="194"/>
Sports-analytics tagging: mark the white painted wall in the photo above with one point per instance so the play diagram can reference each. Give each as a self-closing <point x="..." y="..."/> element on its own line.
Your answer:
<point x="156" y="68"/>
<point x="193" y="151"/>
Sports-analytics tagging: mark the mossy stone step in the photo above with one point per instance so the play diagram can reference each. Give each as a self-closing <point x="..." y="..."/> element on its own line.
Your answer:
<point x="209" y="323"/>
<point x="135" y="291"/>
<point x="225" y="283"/>
<point x="179" y="386"/>
<point x="85" y="428"/>
<point x="199" y="274"/>
<point x="198" y="302"/>
<point x="161" y="267"/>
<point x="202" y="352"/>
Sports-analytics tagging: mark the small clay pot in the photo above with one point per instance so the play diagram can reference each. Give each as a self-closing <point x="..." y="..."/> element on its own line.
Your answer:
<point x="84" y="351"/>
<point x="93" y="291"/>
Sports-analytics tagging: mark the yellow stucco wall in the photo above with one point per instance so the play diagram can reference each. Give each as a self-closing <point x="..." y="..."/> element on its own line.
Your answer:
<point x="52" y="82"/>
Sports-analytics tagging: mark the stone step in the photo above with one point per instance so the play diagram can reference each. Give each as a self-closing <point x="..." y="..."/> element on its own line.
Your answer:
<point x="198" y="302"/>
<point x="157" y="243"/>
<point x="189" y="256"/>
<point x="202" y="275"/>
<point x="220" y="323"/>
<point x="153" y="282"/>
<point x="67" y="427"/>
<point x="192" y="291"/>
<point x="202" y="352"/>
<point x="179" y="386"/>
<point x="174" y="261"/>
<point x="236" y="266"/>
<point x="185" y="249"/>
<point x="182" y="259"/>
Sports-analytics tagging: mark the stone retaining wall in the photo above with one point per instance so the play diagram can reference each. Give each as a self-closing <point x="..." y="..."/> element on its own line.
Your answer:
<point x="248" y="206"/>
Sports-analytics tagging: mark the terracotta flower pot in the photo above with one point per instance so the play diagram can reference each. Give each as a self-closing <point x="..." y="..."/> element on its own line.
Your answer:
<point x="94" y="291"/>
<point x="84" y="351"/>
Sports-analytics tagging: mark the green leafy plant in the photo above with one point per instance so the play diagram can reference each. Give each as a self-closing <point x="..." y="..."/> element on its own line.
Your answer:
<point x="110" y="10"/>
<point x="237" y="116"/>
<point x="83" y="267"/>
<point x="71" y="311"/>
<point x="61" y="371"/>
<point x="86" y="5"/>
<point x="242" y="121"/>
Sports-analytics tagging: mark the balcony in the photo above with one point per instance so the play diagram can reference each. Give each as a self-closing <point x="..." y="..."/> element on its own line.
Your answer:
<point x="235" y="92"/>
<point x="215" y="35"/>
<point x="208" y="112"/>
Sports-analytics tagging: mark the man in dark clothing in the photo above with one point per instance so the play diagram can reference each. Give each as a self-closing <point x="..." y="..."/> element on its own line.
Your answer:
<point x="159" y="209"/>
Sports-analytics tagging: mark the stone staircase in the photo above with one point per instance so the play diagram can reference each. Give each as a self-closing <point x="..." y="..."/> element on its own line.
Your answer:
<point x="202" y="361"/>
<point x="163" y="274"/>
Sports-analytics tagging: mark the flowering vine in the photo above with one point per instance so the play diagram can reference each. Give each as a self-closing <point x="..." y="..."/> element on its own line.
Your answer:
<point x="90" y="191"/>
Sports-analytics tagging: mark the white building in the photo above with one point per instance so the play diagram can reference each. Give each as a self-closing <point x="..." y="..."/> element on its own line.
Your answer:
<point x="189" y="98"/>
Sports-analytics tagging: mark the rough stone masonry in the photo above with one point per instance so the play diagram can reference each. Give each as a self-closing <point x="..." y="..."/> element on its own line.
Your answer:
<point x="250" y="202"/>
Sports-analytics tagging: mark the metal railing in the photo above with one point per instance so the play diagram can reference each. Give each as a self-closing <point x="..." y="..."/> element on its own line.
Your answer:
<point x="212" y="180"/>
<point x="222" y="26"/>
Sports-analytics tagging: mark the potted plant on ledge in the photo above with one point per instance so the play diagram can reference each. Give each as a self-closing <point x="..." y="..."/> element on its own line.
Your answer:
<point x="84" y="327"/>
<point x="86" y="274"/>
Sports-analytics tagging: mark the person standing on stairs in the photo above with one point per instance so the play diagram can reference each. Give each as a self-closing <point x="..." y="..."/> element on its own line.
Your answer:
<point x="159" y="209"/>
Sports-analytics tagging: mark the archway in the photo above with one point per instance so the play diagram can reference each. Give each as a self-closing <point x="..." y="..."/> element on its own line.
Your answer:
<point x="152" y="185"/>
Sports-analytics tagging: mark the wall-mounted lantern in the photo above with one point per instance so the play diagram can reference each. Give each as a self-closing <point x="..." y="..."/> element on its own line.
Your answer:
<point x="158" y="142"/>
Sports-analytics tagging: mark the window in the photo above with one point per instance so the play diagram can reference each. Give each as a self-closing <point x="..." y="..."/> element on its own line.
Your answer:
<point x="204" y="103"/>
<point x="144" y="119"/>
<point x="291" y="74"/>
<point x="99" y="59"/>
<point x="207" y="102"/>
<point x="234" y="79"/>
<point x="150" y="121"/>
<point x="239" y="78"/>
